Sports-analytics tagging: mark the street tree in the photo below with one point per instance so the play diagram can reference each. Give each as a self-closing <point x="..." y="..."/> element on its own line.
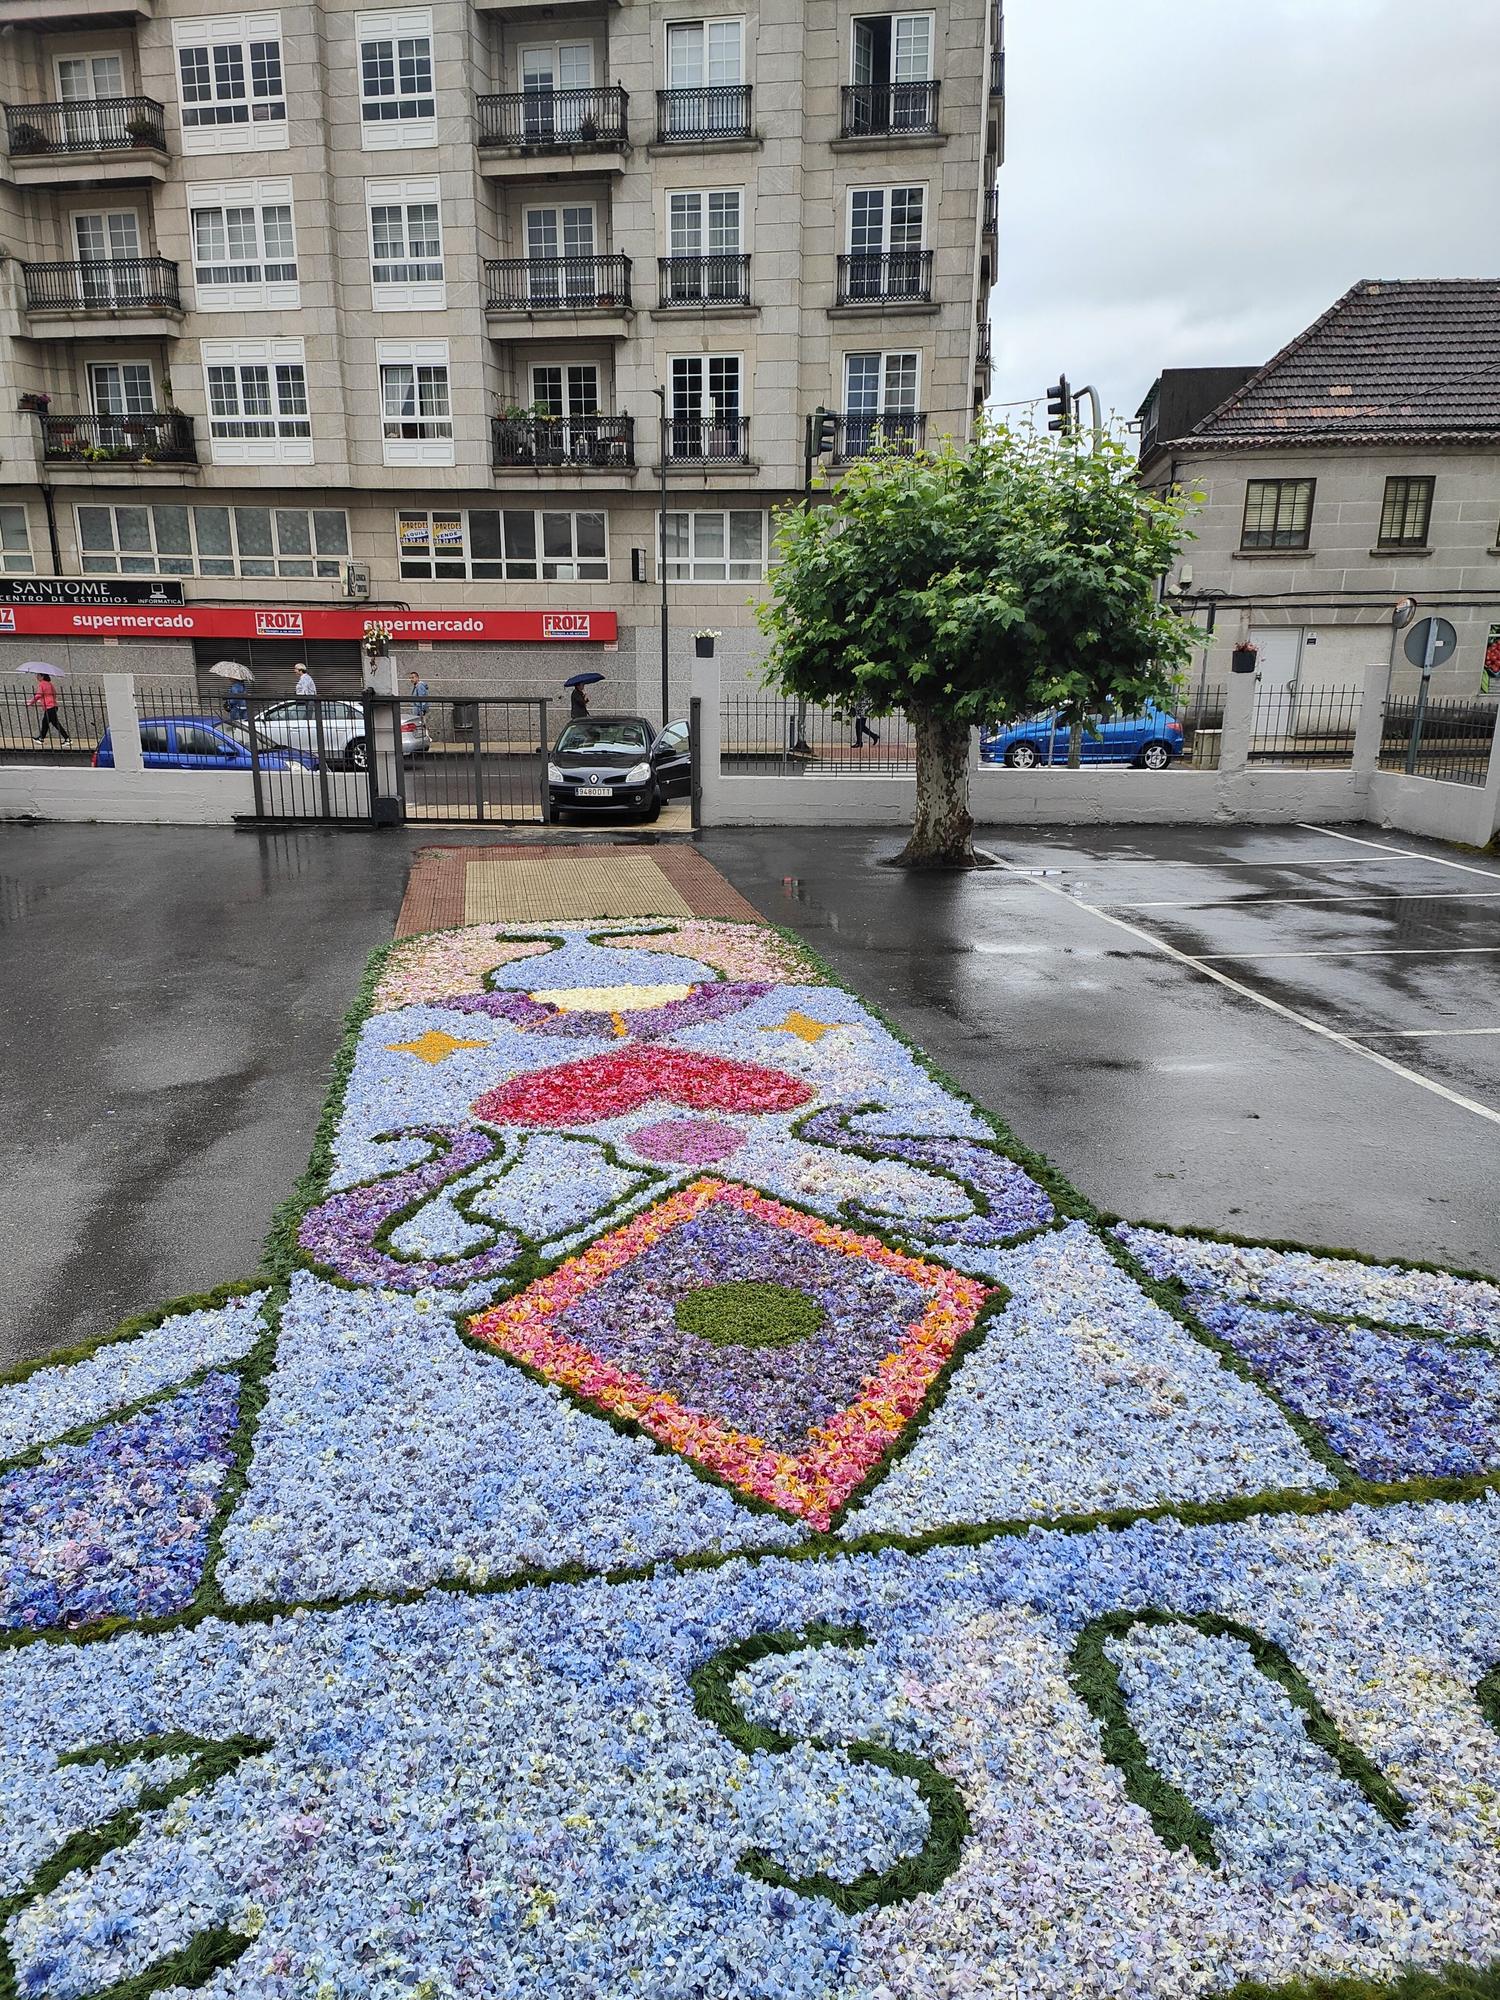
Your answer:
<point x="973" y="587"/>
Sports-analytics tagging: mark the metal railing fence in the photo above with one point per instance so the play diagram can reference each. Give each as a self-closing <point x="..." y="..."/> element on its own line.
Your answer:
<point x="86" y="125"/>
<point x="707" y="112"/>
<point x="867" y="276"/>
<point x="718" y="280"/>
<point x="766" y="735"/>
<point x="1201" y="713"/>
<point x="1305" y="728"/>
<point x="103" y="284"/>
<point x="556" y="120"/>
<point x="1450" y="739"/>
<point x="164" y="437"/>
<point x="542" y="284"/>
<point x="562" y="441"/>
<point x="707" y="440"/>
<point x="81" y="721"/>
<point x="872" y="109"/>
<point x="859" y="432"/>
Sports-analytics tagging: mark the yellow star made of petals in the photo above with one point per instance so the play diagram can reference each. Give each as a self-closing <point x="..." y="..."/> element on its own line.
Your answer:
<point x="803" y="1027"/>
<point x="435" y="1046"/>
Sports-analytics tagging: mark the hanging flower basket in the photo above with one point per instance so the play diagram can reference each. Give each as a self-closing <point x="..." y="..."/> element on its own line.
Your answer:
<point x="703" y="644"/>
<point x="1243" y="658"/>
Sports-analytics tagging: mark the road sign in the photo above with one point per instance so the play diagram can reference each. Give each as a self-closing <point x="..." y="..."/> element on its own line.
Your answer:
<point x="1436" y="634"/>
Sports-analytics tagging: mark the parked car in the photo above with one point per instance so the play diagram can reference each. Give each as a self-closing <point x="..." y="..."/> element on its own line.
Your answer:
<point x="1151" y="739"/>
<point x="295" y="723"/>
<point x="616" y="763"/>
<point x="198" y="743"/>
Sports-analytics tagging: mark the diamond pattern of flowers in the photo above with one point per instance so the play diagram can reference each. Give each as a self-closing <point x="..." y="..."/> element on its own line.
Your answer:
<point x="800" y="1423"/>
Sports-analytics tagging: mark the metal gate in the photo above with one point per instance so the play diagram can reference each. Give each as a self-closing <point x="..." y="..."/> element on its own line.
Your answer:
<point x="374" y="760"/>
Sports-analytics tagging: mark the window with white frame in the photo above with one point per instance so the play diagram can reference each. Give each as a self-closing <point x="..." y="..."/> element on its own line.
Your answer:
<point x="244" y="245"/>
<point x="515" y="544"/>
<point x="82" y="81"/>
<point x="415" y="404"/>
<point x="703" y="53"/>
<point x="231" y="85"/>
<point x="712" y="547"/>
<point x="880" y="401"/>
<point x="705" y="244"/>
<point x="887" y="229"/>
<point x="15" y="541"/>
<point x="121" y="388"/>
<point x="406" y="245"/>
<point x="257" y="402"/>
<point x="565" y="390"/>
<point x="397" y="102"/>
<point x="174" y="540"/>
<point x="705" y="414"/>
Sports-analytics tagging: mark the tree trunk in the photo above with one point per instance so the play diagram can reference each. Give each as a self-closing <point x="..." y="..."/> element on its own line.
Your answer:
<point x="941" y="833"/>
<point x="1075" y="744"/>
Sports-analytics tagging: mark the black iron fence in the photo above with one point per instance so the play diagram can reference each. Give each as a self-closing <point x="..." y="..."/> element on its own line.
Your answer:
<point x="1200" y="714"/>
<point x="103" y="284"/>
<point x="997" y="73"/>
<point x="89" y="125"/>
<point x="872" y="276"/>
<point x="762" y="735"/>
<point x="1446" y="739"/>
<point x="163" y="437"/>
<point x="858" y="432"/>
<point x="72" y="737"/>
<point x="991" y="210"/>
<point x="703" y="281"/>
<point x="872" y="109"/>
<point x="1305" y="728"/>
<point x="985" y="345"/>
<point x="556" y="120"/>
<point x="541" y="284"/>
<point x="707" y="440"/>
<point x="563" y="441"/>
<point x="707" y="112"/>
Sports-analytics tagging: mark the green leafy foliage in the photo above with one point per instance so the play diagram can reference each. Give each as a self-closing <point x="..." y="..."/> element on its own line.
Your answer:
<point x="745" y="1312"/>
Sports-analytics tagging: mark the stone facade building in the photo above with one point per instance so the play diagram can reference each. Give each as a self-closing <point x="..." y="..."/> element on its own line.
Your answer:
<point x="321" y="299"/>
<point x="1358" y="467"/>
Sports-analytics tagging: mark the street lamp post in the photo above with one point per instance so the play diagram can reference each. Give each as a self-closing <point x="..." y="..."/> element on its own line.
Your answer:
<point x="661" y="558"/>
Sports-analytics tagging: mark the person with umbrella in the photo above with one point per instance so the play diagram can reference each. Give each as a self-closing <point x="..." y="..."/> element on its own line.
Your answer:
<point x="578" y="703"/>
<point x="236" y="702"/>
<point x="45" y="699"/>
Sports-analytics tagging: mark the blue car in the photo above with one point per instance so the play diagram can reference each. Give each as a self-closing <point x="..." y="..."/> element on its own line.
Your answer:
<point x="1151" y="739"/>
<point x="199" y="743"/>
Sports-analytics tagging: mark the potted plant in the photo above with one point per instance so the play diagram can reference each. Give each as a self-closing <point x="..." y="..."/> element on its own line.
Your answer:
<point x="37" y="401"/>
<point x="143" y="130"/>
<point x="1243" y="658"/>
<point x="703" y="642"/>
<point x="26" y="138"/>
<point x="588" y="129"/>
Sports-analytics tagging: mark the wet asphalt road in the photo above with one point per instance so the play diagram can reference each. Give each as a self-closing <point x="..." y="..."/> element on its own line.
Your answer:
<point x="1058" y="989"/>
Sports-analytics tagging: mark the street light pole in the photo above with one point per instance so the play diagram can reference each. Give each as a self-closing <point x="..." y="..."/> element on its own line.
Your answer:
<point x="661" y="558"/>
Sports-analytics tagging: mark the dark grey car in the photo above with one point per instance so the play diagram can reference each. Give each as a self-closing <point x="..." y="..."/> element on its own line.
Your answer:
<point x="601" y="764"/>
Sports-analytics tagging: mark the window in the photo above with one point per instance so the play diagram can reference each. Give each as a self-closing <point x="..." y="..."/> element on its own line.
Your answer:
<point x="15" y="542"/>
<point x="705" y="53"/>
<point x="514" y="543"/>
<point x="562" y="67"/>
<point x="560" y="255"/>
<point x="81" y="82"/>
<point x="406" y="245"/>
<point x="892" y="48"/>
<point x="416" y="412"/>
<point x="230" y="82"/>
<point x="244" y="248"/>
<point x="397" y="105"/>
<point x="172" y="540"/>
<point x="886" y="233"/>
<point x="705" y="415"/>
<point x="1406" y="513"/>
<point x="108" y="243"/>
<point x="121" y="388"/>
<point x="1278" y="513"/>
<point x="571" y="391"/>
<point x="716" y="548"/>
<point x="257" y="402"/>
<point x="880" y="401"/>
<point x="704" y="244"/>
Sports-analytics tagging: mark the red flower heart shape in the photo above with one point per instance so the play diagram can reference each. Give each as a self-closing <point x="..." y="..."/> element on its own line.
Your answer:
<point x="583" y="1093"/>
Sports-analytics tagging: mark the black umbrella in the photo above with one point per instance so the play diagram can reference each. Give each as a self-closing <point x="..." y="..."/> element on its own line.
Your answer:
<point x="582" y="680"/>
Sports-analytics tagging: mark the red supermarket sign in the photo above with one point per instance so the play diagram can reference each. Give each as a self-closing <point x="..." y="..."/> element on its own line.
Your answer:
<point x="224" y="621"/>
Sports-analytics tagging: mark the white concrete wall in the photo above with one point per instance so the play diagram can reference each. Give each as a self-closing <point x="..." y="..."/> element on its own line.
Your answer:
<point x="124" y="798"/>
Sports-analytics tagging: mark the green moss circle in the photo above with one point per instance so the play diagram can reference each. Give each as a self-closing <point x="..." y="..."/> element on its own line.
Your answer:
<point x="745" y="1313"/>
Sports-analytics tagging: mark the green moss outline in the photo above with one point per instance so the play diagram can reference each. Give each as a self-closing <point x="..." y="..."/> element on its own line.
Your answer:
<point x="729" y="1300"/>
<point x="1176" y="1820"/>
<point x="914" y="1875"/>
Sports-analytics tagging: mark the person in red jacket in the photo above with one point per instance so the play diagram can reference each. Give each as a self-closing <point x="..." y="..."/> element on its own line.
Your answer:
<point x="45" y="699"/>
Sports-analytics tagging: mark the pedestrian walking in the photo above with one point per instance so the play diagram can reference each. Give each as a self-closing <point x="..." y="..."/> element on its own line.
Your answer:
<point x="863" y="733"/>
<point x="235" y="705"/>
<point x="45" y="699"/>
<point x="578" y="703"/>
<point x="306" y="685"/>
<point x="419" y="695"/>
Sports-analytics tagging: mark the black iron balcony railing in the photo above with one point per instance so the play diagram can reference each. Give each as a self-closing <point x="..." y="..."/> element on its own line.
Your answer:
<point x="703" y="281"/>
<point x="556" y="121"/>
<point x="563" y="441"/>
<point x="991" y="211"/>
<point x="159" y="437"/>
<point x="711" y="111"/>
<point x="873" y="109"/>
<point x="982" y="351"/>
<point x="858" y="432"/>
<point x="556" y="284"/>
<point x="86" y="125"/>
<point x="997" y="72"/>
<point x="105" y="285"/>
<point x="707" y="440"/>
<point x="868" y="277"/>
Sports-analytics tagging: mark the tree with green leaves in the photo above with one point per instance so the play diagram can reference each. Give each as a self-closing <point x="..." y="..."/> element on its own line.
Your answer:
<point x="972" y="588"/>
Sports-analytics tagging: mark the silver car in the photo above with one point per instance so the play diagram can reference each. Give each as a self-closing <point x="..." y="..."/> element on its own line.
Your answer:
<point x="295" y="724"/>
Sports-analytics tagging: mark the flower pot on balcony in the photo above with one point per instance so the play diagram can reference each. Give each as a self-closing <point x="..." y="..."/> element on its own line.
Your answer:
<point x="703" y="647"/>
<point x="1242" y="659"/>
<point x="37" y="401"/>
<point x="27" y="139"/>
<point x="142" y="132"/>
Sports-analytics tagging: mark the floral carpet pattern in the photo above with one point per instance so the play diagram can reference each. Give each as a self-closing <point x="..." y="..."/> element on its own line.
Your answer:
<point x="694" y="1507"/>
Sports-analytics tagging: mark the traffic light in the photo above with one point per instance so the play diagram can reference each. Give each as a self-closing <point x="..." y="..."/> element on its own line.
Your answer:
<point x="1059" y="406"/>
<point x="825" y="431"/>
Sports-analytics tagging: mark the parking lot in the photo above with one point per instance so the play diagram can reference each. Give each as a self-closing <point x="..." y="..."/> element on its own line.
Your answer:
<point x="1285" y="1032"/>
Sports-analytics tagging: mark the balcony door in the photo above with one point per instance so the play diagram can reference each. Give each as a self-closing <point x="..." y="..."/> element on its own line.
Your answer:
<point x="704" y="244"/>
<point x="560" y="252"/>
<point x="891" y="62"/>
<point x="547" y="76"/>
<point x="103" y="239"/>
<point x="120" y="391"/>
<point x="706" y="64"/>
<point x="880" y="400"/>
<point x="885" y="242"/>
<point x="81" y="82"/>
<point x="705" y="413"/>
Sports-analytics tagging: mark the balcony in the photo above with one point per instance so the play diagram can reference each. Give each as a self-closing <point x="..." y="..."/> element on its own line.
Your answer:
<point x="160" y="437"/>
<point x="560" y="288"/>
<point x="701" y="284"/>
<point x="992" y="211"/>
<point x="879" y="278"/>
<point x="997" y="73"/>
<point x="588" y="127"/>
<point x="707" y="440"/>
<point x="86" y="142"/>
<point x="859" y="432"/>
<point x="141" y="293"/>
<point x="563" y="444"/>
<point x="48" y="14"/>
<point x="889" y="111"/>
<point x="984" y="346"/>
<point x="712" y="114"/>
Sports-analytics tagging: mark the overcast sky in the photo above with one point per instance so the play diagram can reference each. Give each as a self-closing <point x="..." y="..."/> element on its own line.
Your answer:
<point x="1191" y="182"/>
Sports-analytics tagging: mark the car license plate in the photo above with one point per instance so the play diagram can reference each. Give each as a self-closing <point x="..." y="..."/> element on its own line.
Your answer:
<point x="596" y="792"/>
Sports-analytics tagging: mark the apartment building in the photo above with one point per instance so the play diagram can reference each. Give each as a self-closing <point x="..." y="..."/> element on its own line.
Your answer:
<point x="318" y="315"/>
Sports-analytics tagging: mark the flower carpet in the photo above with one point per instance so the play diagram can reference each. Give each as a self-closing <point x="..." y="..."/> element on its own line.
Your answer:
<point x="693" y="1506"/>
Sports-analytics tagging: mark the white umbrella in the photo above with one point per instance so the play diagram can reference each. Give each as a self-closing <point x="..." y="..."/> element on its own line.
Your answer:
<point x="39" y="667"/>
<point x="231" y="670"/>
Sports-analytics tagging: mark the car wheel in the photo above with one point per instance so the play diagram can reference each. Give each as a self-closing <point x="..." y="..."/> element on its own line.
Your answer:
<point x="652" y="812"/>
<point x="1155" y="757"/>
<point x="1022" y="757"/>
<point x="357" y="754"/>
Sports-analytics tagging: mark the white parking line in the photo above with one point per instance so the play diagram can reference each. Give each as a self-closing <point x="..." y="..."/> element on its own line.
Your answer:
<point x="1430" y="1034"/>
<point x="1277" y="902"/>
<point x="1275" y="1006"/>
<point x="1385" y="847"/>
<point x="1369" y="951"/>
